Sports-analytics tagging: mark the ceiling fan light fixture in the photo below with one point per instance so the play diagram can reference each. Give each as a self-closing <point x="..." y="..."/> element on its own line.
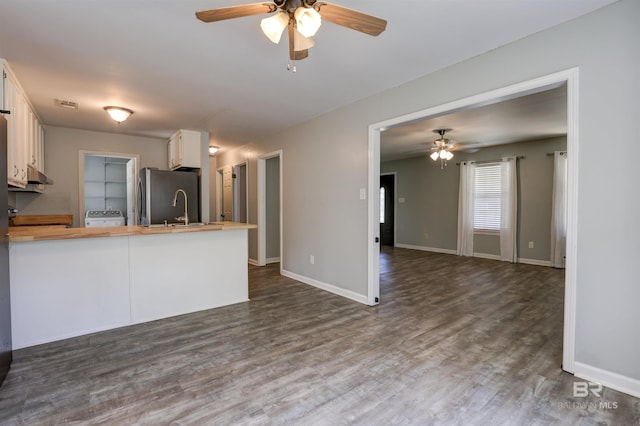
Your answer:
<point x="274" y="26"/>
<point x="308" y="21"/>
<point x="434" y="155"/>
<point x="301" y="42"/>
<point x="118" y="114"/>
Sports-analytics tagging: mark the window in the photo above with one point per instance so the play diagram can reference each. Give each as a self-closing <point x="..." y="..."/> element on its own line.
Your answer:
<point x="382" y="204"/>
<point x="486" y="216"/>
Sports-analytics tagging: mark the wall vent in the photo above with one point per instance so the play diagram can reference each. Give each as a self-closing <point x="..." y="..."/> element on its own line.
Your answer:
<point x="66" y="104"/>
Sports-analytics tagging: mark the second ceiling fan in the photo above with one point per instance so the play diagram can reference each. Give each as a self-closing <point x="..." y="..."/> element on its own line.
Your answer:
<point x="302" y="18"/>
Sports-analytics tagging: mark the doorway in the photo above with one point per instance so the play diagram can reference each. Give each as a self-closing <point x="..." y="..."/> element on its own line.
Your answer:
<point x="108" y="181"/>
<point x="240" y="193"/>
<point x="387" y="209"/>
<point x="270" y="203"/>
<point x="568" y="77"/>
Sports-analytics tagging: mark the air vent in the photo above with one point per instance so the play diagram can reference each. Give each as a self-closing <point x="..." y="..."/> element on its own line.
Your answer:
<point x="66" y="104"/>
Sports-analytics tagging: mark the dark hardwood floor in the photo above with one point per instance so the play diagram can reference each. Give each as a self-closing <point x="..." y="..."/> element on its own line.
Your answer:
<point x="455" y="341"/>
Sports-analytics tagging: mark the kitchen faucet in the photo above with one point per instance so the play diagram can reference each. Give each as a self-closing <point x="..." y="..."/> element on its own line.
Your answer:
<point x="184" y="218"/>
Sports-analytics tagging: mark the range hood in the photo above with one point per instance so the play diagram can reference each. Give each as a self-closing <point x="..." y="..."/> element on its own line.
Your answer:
<point x="34" y="176"/>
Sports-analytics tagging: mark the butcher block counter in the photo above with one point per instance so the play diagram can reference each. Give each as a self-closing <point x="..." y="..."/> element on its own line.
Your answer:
<point x="39" y="233"/>
<point x="68" y="282"/>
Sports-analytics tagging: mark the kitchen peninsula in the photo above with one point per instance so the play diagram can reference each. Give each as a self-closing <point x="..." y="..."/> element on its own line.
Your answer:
<point x="68" y="282"/>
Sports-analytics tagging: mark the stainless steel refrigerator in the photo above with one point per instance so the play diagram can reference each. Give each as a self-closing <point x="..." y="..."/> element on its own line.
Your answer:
<point x="156" y="190"/>
<point x="5" y="301"/>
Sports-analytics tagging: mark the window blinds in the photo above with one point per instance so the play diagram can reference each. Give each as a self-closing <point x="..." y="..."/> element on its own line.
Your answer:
<point x="487" y="198"/>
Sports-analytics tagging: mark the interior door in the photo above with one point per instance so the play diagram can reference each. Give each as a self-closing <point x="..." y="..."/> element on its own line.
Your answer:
<point x="387" y="210"/>
<point x="227" y="194"/>
<point x="5" y="301"/>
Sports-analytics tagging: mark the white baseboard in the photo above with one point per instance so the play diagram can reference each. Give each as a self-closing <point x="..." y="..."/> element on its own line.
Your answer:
<point x="273" y="260"/>
<point x="253" y="262"/>
<point x="326" y="287"/>
<point x="535" y="262"/>
<point x="423" y="248"/>
<point x="487" y="256"/>
<point x="609" y="379"/>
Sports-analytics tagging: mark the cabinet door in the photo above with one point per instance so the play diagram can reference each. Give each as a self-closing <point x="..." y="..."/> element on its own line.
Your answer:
<point x="178" y="150"/>
<point x="15" y="104"/>
<point x="172" y="156"/>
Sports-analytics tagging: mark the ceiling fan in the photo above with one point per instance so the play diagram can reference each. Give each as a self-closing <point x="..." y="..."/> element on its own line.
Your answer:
<point x="442" y="147"/>
<point x="301" y="17"/>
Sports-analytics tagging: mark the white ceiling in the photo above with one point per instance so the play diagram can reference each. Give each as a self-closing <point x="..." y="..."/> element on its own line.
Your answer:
<point x="226" y="77"/>
<point x="531" y="117"/>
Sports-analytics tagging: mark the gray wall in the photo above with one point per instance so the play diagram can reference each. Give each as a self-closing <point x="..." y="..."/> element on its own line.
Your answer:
<point x="62" y="146"/>
<point x="431" y="199"/>
<point x="604" y="46"/>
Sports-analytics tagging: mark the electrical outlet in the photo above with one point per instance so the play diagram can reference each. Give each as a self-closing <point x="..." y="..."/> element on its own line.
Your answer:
<point x="530" y="244"/>
<point x="401" y="200"/>
<point x="426" y="235"/>
<point x="312" y="259"/>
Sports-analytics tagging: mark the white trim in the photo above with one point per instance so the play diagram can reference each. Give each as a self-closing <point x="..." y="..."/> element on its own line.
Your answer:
<point x="423" y="248"/>
<point x="273" y="260"/>
<point x="571" y="265"/>
<point x="244" y="164"/>
<point x="534" y="262"/>
<point x="609" y="379"/>
<point x="219" y="189"/>
<point x="570" y="77"/>
<point x="136" y="177"/>
<point x="326" y="287"/>
<point x="487" y="256"/>
<point x="262" y="214"/>
<point x="373" y="237"/>
<point x="253" y="262"/>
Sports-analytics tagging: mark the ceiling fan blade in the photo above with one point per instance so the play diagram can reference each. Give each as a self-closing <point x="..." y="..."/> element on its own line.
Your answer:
<point x="295" y="55"/>
<point x="350" y="18"/>
<point x="235" y="12"/>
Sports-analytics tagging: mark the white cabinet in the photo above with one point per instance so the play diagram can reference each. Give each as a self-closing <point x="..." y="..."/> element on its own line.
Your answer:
<point x="25" y="134"/>
<point x="184" y="150"/>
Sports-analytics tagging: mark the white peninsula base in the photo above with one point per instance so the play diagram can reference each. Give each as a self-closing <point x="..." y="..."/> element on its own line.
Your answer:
<point x="70" y="287"/>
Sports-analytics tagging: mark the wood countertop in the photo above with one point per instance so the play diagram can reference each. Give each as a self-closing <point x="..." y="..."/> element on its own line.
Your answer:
<point x="39" y="233"/>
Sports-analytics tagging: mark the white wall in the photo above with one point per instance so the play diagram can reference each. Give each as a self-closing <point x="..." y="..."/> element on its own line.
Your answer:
<point x="327" y="165"/>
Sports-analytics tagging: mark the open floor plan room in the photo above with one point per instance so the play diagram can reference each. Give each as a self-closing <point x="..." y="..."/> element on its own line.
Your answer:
<point x="456" y="340"/>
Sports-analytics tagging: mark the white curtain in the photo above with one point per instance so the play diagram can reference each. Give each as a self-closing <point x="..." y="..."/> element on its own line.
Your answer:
<point x="559" y="210"/>
<point x="465" y="209"/>
<point x="509" y="210"/>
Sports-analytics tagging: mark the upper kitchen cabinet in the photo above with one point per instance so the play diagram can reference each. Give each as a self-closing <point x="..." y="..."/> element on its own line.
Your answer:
<point x="25" y="133"/>
<point x="184" y="150"/>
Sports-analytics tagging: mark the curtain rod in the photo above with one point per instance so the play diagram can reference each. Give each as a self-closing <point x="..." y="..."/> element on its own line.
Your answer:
<point x="551" y="154"/>
<point x="520" y="157"/>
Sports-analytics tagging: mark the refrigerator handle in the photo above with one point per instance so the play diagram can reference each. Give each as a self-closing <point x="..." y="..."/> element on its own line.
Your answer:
<point x="139" y="203"/>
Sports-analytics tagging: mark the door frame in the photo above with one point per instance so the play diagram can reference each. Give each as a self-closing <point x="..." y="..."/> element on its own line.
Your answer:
<point x="262" y="203"/>
<point x="246" y="188"/>
<point x="219" y="184"/>
<point x="395" y="201"/>
<point x="134" y="184"/>
<point x="570" y="77"/>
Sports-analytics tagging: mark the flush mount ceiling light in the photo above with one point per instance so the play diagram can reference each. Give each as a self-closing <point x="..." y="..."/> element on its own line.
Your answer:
<point x="441" y="149"/>
<point x="118" y="114"/>
<point x="302" y="17"/>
